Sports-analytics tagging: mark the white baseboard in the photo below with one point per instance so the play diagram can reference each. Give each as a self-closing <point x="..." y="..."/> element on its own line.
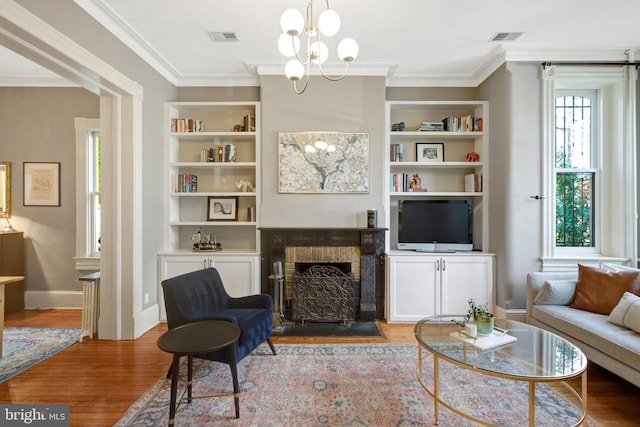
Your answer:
<point x="146" y="320"/>
<point x="34" y="300"/>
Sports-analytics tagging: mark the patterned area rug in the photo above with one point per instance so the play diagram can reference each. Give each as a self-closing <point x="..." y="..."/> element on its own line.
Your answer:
<point x="24" y="347"/>
<point x="352" y="385"/>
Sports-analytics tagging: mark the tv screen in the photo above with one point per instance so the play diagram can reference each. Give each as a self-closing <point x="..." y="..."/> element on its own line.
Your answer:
<point x="435" y="225"/>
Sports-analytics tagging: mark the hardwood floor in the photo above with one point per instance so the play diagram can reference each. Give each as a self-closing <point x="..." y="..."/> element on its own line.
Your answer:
<point x="101" y="379"/>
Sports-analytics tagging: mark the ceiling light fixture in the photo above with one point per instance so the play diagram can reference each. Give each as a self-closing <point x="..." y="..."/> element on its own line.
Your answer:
<point x="292" y="23"/>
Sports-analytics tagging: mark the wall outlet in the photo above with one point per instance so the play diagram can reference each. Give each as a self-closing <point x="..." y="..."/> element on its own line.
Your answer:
<point x="146" y="298"/>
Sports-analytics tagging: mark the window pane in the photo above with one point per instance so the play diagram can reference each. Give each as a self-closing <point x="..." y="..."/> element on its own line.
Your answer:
<point x="573" y="132"/>
<point x="574" y="209"/>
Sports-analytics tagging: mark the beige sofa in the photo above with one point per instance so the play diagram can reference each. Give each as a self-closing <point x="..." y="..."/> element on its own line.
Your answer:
<point x="613" y="347"/>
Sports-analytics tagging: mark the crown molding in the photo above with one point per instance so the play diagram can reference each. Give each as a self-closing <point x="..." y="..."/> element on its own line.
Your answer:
<point x="35" y="81"/>
<point x="114" y="23"/>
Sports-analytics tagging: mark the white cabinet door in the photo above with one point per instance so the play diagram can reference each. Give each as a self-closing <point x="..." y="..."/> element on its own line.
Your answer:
<point x="413" y="288"/>
<point x="239" y="273"/>
<point x="465" y="277"/>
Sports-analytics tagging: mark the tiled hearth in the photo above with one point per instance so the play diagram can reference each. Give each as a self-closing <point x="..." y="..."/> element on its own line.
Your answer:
<point x="361" y="248"/>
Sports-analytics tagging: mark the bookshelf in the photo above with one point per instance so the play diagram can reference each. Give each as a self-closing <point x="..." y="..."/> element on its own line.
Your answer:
<point x="444" y="176"/>
<point x="451" y="164"/>
<point x="219" y="144"/>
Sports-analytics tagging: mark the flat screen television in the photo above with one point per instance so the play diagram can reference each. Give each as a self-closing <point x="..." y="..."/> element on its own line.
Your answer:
<point x="435" y="225"/>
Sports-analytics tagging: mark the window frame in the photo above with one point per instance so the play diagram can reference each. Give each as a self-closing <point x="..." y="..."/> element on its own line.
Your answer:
<point x="595" y="168"/>
<point x="85" y="259"/>
<point x="616" y="226"/>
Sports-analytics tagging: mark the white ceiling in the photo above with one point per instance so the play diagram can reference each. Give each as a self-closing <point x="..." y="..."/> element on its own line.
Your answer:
<point x="410" y="42"/>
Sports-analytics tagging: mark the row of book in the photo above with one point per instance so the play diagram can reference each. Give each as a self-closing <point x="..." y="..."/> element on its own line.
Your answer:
<point x="184" y="183"/>
<point x="187" y="125"/>
<point x="473" y="183"/>
<point x="219" y="153"/>
<point x="462" y="124"/>
<point x="251" y="213"/>
<point x="396" y="152"/>
<point x="406" y="182"/>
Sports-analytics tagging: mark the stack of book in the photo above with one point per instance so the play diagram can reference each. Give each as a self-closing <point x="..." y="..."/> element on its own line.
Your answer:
<point x="219" y="153"/>
<point x="187" y="125"/>
<point x="184" y="183"/>
<point x="430" y="127"/>
<point x="473" y="183"/>
<point x="396" y="152"/>
<point x="462" y="124"/>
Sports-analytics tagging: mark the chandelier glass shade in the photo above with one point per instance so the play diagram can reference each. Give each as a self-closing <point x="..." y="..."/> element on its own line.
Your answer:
<point x="316" y="51"/>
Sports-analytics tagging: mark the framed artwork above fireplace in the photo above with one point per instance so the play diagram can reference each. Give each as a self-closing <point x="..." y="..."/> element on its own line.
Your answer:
<point x="323" y="162"/>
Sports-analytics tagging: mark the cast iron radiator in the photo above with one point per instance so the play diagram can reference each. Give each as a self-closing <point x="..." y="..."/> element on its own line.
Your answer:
<point x="323" y="293"/>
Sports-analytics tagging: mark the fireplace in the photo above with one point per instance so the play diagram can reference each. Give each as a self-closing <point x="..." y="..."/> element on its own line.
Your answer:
<point x="323" y="292"/>
<point x="362" y="249"/>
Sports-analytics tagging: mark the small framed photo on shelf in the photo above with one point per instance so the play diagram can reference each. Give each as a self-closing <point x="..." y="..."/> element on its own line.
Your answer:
<point x="429" y="152"/>
<point x="222" y="208"/>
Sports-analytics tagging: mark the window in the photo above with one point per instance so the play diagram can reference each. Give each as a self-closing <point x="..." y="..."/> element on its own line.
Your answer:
<point x="589" y="165"/>
<point x="576" y="115"/>
<point x="87" y="194"/>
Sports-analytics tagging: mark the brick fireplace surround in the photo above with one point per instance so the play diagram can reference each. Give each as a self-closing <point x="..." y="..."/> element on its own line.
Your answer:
<point x="363" y="248"/>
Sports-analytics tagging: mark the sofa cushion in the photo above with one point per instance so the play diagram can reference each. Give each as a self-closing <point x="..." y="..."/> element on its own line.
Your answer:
<point x="599" y="291"/>
<point x="627" y="312"/>
<point x="556" y="292"/>
<point x="619" y="343"/>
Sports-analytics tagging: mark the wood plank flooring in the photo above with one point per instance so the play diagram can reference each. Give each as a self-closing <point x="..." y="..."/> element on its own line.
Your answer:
<point x="101" y="379"/>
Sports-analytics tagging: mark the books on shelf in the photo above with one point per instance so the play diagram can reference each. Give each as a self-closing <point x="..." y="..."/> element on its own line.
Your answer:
<point x="396" y="152"/>
<point x="186" y="125"/>
<point x="219" y="153"/>
<point x="473" y="183"/>
<point x="430" y="127"/>
<point x="405" y="182"/>
<point x="485" y="342"/>
<point x="184" y="183"/>
<point x="251" y="213"/>
<point x="462" y="124"/>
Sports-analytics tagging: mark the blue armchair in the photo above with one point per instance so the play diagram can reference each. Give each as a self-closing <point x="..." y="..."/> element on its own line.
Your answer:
<point x="200" y="295"/>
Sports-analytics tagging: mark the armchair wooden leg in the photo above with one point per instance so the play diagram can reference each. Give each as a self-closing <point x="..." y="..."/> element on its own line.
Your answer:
<point x="273" y="349"/>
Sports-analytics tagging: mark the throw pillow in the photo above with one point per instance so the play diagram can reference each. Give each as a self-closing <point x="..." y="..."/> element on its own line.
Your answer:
<point x="556" y="292"/>
<point x="599" y="291"/>
<point x="627" y="312"/>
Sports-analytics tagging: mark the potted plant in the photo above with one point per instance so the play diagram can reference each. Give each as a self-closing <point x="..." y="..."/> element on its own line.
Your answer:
<point x="480" y="315"/>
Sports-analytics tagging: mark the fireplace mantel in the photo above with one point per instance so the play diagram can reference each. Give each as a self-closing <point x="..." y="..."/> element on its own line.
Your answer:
<point x="370" y="241"/>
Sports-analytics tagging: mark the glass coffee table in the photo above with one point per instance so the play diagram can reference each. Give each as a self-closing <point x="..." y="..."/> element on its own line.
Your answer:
<point x="537" y="356"/>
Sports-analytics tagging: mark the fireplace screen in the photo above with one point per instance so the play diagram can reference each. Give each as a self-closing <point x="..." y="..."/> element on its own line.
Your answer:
<point x="323" y="293"/>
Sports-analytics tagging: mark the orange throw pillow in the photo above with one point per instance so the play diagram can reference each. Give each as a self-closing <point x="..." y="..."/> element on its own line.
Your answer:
<point x="599" y="291"/>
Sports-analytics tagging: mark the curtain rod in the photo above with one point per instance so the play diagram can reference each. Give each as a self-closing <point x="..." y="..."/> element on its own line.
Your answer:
<point x="549" y="63"/>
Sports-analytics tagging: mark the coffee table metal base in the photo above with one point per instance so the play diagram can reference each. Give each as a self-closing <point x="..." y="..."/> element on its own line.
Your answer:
<point x="435" y="393"/>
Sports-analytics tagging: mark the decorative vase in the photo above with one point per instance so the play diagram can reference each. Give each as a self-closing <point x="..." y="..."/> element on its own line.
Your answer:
<point x="485" y="324"/>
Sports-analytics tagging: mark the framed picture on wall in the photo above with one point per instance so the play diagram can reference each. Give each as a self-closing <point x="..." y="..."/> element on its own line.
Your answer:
<point x="222" y="208"/>
<point x="41" y="184"/>
<point x="427" y="152"/>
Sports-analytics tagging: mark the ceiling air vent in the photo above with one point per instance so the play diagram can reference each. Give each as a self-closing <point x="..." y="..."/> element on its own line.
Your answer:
<point x="223" y="36"/>
<point x="505" y="37"/>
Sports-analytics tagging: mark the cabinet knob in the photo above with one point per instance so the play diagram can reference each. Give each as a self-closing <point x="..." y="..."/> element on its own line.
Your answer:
<point x="444" y="265"/>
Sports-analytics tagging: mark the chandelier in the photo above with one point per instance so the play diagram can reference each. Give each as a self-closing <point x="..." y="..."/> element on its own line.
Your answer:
<point x="328" y="24"/>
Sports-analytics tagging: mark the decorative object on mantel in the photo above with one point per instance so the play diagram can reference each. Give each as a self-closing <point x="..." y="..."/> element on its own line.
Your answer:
<point x="293" y="23"/>
<point x="323" y="162"/>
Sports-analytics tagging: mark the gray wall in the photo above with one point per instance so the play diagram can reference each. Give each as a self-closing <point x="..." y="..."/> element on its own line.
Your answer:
<point x="71" y="20"/>
<point x="38" y="126"/>
<point x="355" y="104"/>
<point x="514" y="94"/>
